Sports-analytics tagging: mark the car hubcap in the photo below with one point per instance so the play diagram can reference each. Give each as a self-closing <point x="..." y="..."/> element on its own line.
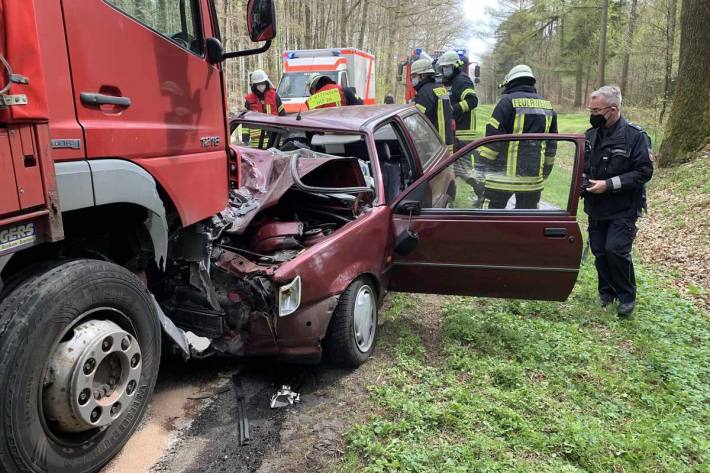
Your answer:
<point x="365" y="319"/>
<point x="92" y="377"/>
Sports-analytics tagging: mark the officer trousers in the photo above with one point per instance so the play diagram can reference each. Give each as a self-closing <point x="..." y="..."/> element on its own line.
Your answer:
<point x="498" y="199"/>
<point x="610" y="242"/>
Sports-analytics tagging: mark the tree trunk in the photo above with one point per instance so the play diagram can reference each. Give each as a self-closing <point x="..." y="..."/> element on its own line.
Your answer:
<point x="578" y="85"/>
<point x="628" y="46"/>
<point x="363" y="24"/>
<point x="601" y="60"/>
<point x="670" y="44"/>
<point x="688" y="126"/>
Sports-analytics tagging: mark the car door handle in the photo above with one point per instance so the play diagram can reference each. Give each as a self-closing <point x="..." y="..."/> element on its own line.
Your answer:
<point x="92" y="98"/>
<point x="555" y="232"/>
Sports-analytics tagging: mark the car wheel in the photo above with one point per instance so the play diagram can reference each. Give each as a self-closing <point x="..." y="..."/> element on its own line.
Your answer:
<point x="352" y="333"/>
<point x="79" y="357"/>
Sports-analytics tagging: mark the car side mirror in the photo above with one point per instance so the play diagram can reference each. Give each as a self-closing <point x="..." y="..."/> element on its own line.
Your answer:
<point x="261" y="20"/>
<point x="410" y="207"/>
<point x="215" y="51"/>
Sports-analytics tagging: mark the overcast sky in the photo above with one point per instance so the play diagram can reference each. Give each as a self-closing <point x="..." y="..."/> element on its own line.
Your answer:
<point x="475" y="12"/>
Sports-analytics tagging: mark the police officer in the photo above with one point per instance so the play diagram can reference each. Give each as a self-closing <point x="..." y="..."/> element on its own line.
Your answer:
<point x="263" y="99"/>
<point x="518" y="167"/>
<point x="324" y="92"/>
<point x="432" y="99"/>
<point x="615" y="171"/>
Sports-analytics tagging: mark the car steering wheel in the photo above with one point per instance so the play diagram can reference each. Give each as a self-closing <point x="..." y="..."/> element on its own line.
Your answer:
<point x="181" y="38"/>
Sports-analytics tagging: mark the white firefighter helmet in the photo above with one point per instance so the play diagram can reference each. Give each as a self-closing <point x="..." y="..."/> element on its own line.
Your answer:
<point x="422" y="66"/>
<point x="521" y="70"/>
<point x="258" y="76"/>
<point x="449" y="58"/>
<point x="313" y="81"/>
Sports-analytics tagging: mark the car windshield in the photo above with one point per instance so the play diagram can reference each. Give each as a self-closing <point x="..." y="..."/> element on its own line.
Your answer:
<point x="293" y="84"/>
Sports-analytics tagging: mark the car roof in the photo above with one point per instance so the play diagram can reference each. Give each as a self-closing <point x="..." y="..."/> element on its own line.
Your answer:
<point x="350" y="118"/>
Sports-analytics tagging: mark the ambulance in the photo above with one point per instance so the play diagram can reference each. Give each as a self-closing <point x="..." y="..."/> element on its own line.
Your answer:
<point x="348" y="67"/>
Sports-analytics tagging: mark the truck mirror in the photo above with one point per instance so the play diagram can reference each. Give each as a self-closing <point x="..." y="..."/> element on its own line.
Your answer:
<point x="215" y="51"/>
<point x="476" y="80"/>
<point x="477" y="71"/>
<point x="261" y="20"/>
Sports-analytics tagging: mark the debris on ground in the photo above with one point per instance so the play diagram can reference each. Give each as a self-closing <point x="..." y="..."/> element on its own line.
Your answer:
<point x="284" y="397"/>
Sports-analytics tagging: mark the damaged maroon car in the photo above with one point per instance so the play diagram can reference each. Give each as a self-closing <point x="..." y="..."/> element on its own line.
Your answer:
<point x="337" y="206"/>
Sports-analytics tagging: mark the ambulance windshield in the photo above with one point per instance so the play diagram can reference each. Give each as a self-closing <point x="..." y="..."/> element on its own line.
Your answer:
<point x="293" y="84"/>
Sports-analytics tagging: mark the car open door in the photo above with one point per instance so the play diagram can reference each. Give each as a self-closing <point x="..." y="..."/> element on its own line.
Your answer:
<point x="468" y="247"/>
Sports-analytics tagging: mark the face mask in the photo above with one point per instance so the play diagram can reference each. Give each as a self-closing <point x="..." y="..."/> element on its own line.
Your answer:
<point x="261" y="87"/>
<point x="597" y="121"/>
<point x="447" y="71"/>
<point x="415" y="81"/>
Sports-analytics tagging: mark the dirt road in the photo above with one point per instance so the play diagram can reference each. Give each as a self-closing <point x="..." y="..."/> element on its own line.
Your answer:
<point x="191" y="425"/>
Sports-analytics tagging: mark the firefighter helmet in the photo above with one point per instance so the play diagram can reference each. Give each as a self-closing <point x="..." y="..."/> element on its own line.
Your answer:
<point x="258" y="76"/>
<point x="450" y="58"/>
<point x="422" y="66"/>
<point x="316" y="80"/>
<point x="517" y="72"/>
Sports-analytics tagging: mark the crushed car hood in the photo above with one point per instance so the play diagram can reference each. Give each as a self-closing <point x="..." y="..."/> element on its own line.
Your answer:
<point x="267" y="175"/>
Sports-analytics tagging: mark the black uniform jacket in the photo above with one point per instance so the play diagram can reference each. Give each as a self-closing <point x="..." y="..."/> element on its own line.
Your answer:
<point x="433" y="100"/>
<point x="621" y="156"/>
<point x="463" y="104"/>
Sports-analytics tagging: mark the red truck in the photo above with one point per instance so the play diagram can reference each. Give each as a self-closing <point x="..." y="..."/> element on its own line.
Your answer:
<point x="127" y="220"/>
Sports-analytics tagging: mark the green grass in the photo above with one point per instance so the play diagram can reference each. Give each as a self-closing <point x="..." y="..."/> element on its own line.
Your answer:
<point x="534" y="387"/>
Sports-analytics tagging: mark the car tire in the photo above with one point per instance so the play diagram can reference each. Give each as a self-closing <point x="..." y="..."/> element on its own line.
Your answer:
<point x="352" y="333"/>
<point x="83" y="326"/>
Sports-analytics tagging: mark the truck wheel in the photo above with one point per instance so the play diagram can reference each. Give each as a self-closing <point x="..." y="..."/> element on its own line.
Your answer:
<point x="350" y="338"/>
<point x="79" y="356"/>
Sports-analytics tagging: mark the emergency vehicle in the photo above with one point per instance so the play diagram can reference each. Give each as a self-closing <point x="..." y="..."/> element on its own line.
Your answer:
<point x="348" y="67"/>
<point x="404" y="70"/>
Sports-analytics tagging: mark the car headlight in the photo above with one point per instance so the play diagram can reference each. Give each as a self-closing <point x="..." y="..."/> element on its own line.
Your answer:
<point x="290" y="297"/>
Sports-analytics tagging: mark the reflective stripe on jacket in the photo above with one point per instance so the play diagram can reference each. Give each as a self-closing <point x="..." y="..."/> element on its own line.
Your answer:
<point x="519" y="165"/>
<point x="270" y="104"/>
<point x="463" y="105"/>
<point x="433" y="101"/>
<point x="330" y="95"/>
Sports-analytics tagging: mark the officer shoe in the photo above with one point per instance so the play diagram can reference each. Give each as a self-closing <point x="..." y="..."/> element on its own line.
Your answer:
<point x="626" y="308"/>
<point x="606" y="300"/>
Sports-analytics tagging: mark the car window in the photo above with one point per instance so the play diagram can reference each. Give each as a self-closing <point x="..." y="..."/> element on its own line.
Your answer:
<point x="506" y="176"/>
<point x="426" y="141"/>
<point x="173" y="19"/>
<point x="396" y="163"/>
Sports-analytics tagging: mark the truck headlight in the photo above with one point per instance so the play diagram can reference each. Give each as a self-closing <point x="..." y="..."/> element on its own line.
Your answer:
<point x="290" y="297"/>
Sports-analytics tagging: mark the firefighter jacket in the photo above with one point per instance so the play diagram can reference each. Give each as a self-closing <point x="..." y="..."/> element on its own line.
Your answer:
<point x="332" y="95"/>
<point x="621" y="156"/>
<point x="433" y="101"/>
<point x="519" y="166"/>
<point x="270" y="103"/>
<point x="463" y="105"/>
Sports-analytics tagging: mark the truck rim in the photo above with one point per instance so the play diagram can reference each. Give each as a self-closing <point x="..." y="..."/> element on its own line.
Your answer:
<point x="92" y="375"/>
<point x="364" y="315"/>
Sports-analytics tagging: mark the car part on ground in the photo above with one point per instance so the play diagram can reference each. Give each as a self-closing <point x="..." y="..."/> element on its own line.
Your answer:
<point x="77" y="365"/>
<point x="242" y="419"/>
<point x="284" y="397"/>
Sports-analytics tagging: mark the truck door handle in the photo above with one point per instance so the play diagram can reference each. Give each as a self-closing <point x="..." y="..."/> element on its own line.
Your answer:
<point x="555" y="232"/>
<point x="91" y="98"/>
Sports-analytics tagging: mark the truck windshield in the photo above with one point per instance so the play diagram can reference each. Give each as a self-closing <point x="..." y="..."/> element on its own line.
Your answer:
<point x="293" y="84"/>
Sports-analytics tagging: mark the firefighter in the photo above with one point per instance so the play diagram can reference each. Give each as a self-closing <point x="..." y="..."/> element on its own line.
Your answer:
<point x="463" y="97"/>
<point x="389" y="99"/>
<point x="463" y="106"/>
<point x="263" y="99"/>
<point x="615" y="172"/>
<point x="518" y="167"/>
<point x="432" y="99"/>
<point x="324" y="92"/>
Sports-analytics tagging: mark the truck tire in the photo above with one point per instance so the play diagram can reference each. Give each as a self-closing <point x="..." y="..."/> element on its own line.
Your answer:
<point x="79" y="357"/>
<point x="351" y="335"/>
